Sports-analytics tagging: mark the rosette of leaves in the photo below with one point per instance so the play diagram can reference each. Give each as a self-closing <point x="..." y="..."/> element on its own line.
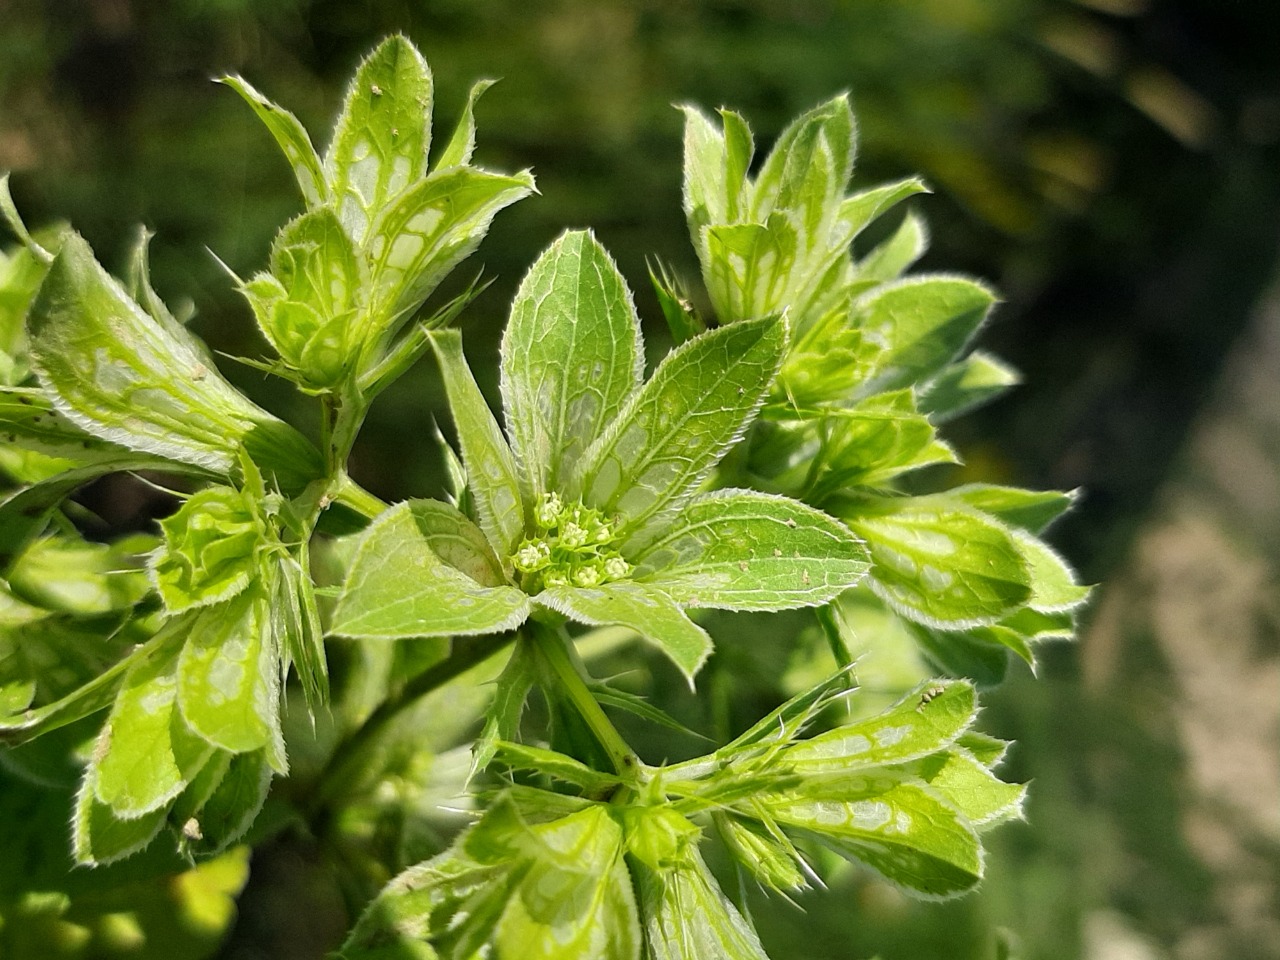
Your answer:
<point x="877" y="358"/>
<point x="591" y="506"/>
<point x="906" y="792"/>
<point x="382" y="227"/>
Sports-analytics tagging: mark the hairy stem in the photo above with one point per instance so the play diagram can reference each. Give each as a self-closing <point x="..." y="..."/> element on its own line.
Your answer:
<point x="557" y="653"/>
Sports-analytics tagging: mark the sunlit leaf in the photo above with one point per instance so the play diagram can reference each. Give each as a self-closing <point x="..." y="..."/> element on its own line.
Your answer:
<point x="382" y="135"/>
<point x="645" y="609"/>
<point x="674" y="430"/>
<point x="742" y="550"/>
<point x="571" y="357"/>
<point x="492" y="477"/>
<point x="398" y="586"/>
<point x="145" y="755"/>
<point x="292" y="139"/>
<point x="939" y="562"/>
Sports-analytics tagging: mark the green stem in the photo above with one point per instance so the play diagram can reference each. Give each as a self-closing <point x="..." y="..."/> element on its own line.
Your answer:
<point x="558" y="654"/>
<point x="345" y="763"/>
<point x="350" y="494"/>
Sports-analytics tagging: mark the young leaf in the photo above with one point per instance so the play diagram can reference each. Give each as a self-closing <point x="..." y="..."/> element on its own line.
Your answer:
<point x="229" y="674"/>
<point x="1053" y="584"/>
<point x="984" y="660"/>
<point x="233" y="806"/>
<point x="145" y="755"/>
<point x="742" y="550"/>
<point x="571" y="357"/>
<point x="896" y="827"/>
<point x="925" y="721"/>
<point x="976" y="792"/>
<point x="558" y="766"/>
<point x="892" y="257"/>
<point x="492" y="477"/>
<point x="428" y="231"/>
<point x="120" y="375"/>
<point x="677" y="427"/>
<point x="645" y="609"/>
<point x="292" y="139"/>
<point x="966" y="385"/>
<point x="686" y="915"/>
<point x="99" y="836"/>
<point x="502" y="719"/>
<point x="398" y="586"/>
<point x="927" y="320"/>
<point x="457" y="152"/>
<point x="210" y="549"/>
<point x="939" y="562"/>
<point x="383" y="134"/>
<point x="1030" y="510"/>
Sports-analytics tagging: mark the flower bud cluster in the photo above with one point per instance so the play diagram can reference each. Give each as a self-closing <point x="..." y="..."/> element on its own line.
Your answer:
<point x="573" y="546"/>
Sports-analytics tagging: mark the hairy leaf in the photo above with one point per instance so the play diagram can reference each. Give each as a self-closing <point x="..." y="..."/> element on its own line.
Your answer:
<point x="939" y="562"/>
<point x="676" y="428"/>
<point x="645" y="609"/>
<point x="492" y="477"/>
<point x="383" y="133"/>
<point x="398" y="586"/>
<point x="742" y="550"/>
<point x="571" y="357"/>
<point x="292" y="139"/>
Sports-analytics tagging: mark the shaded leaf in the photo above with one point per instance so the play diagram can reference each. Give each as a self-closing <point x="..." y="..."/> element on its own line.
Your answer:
<point x="292" y="139"/>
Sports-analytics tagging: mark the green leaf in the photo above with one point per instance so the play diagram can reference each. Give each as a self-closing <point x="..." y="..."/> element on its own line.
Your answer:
<point x="893" y="256"/>
<point x="749" y="267"/>
<point x="939" y="562"/>
<point x="898" y="828"/>
<point x="308" y="307"/>
<point x="458" y="151"/>
<point x="295" y="622"/>
<point x="70" y="575"/>
<point x="706" y="174"/>
<point x="492" y="477"/>
<point x="1053" y="583"/>
<point x="382" y="135"/>
<point x="233" y="805"/>
<point x="145" y="755"/>
<point x="645" y="609"/>
<point x="90" y="697"/>
<point x="122" y="376"/>
<point x="576" y="901"/>
<point x="809" y="165"/>
<point x="1029" y="510"/>
<point x="229" y="675"/>
<point x="966" y="385"/>
<point x="550" y="763"/>
<point x="398" y="586"/>
<point x="869" y="444"/>
<point x="927" y="320"/>
<point x="571" y="357"/>
<point x="99" y="836"/>
<point x="925" y="721"/>
<point x="673" y="431"/>
<point x="743" y="550"/>
<point x="457" y="541"/>
<point x="26" y="512"/>
<point x="210" y="551"/>
<point x="770" y="857"/>
<point x="29" y="421"/>
<point x="429" y="230"/>
<point x="292" y="139"/>
<point x="859" y="209"/>
<point x="686" y="915"/>
<point x="502" y="719"/>
<point x="983" y="798"/>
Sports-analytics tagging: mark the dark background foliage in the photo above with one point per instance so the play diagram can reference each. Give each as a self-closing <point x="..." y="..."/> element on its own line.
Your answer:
<point x="1110" y="165"/>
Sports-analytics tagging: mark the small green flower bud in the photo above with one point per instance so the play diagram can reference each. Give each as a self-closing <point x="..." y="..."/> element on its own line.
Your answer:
<point x="572" y="535"/>
<point x="615" y="568"/>
<point x="586" y="576"/>
<point x="547" y="513"/>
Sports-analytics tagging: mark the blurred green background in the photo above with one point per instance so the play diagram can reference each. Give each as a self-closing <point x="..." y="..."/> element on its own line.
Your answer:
<point x="1112" y="166"/>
